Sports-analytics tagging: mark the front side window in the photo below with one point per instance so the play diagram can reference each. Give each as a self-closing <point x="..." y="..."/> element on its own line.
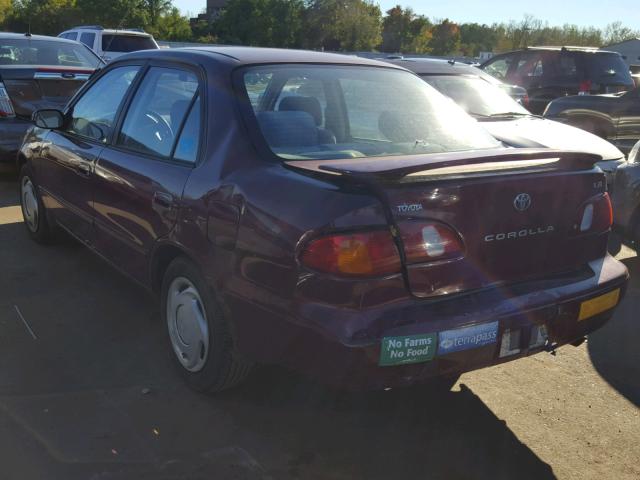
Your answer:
<point x="157" y="111"/>
<point x="351" y="112"/>
<point x="94" y="113"/>
<point x="499" y="68"/>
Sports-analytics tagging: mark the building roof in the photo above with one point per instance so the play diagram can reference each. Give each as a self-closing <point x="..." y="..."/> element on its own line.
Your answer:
<point x="630" y="40"/>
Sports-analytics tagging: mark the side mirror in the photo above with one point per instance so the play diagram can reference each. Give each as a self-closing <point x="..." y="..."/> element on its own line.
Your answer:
<point x="51" y="119"/>
<point x="634" y="154"/>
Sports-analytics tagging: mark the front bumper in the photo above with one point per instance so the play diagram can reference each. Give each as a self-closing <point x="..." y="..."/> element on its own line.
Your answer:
<point x="12" y="132"/>
<point x="326" y="345"/>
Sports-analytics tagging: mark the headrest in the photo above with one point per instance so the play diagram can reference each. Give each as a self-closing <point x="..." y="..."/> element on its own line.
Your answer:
<point x="311" y="105"/>
<point x="288" y="129"/>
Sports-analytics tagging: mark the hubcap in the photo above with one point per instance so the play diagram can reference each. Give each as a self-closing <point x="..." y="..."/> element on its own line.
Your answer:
<point x="187" y="323"/>
<point x="29" y="204"/>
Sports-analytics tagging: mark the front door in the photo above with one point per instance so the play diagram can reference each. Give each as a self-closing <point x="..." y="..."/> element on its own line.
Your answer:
<point x="140" y="177"/>
<point x="68" y="156"/>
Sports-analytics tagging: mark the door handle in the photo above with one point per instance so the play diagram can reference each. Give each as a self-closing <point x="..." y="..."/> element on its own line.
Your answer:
<point x="84" y="169"/>
<point x="164" y="200"/>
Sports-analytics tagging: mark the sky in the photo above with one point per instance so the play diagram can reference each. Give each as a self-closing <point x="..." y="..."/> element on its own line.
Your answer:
<point x="597" y="13"/>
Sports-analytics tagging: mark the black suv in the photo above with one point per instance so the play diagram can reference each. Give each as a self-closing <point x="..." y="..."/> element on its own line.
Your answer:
<point x="551" y="72"/>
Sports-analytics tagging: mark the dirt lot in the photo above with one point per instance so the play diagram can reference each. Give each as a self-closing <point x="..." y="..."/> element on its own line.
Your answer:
<point x="87" y="391"/>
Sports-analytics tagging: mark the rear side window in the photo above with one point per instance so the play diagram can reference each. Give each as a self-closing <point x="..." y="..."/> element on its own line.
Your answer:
<point x="157" y="110"/>
<point x="94" y="114"/>
<point x="88" y="39"/>
<point x="607" y="68"/>
<point x="189" y="141"/>
<point x="126" y="43"/>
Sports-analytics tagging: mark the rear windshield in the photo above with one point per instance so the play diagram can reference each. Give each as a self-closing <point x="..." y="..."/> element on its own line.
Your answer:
<point x="126" y="43"/>
<point x="46" y="52"/>
<point x="327" y="111"/>
<point x="608" y="68"/>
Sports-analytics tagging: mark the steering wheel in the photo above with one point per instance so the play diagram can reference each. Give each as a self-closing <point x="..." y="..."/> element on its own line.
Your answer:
<point x="155" y="131"/>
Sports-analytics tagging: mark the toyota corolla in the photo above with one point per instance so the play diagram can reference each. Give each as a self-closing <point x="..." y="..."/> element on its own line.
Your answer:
<point x="328" y="213"/>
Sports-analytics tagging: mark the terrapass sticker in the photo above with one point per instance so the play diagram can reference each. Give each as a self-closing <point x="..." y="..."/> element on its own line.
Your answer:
<point x="467" y="338"/>
<point x="408" y="349"/>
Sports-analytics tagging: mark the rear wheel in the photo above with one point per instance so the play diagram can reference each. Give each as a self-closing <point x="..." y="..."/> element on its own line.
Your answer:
<point x="199" y="336"/>
<point x="33" y="211"/>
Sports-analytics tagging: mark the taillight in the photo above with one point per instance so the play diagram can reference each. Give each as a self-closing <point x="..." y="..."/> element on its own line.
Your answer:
<point x="597" y="215"/>
<point x="6" y="108"/>
<point x="429" y="241"/>
<point x="366" y="254"/>
<point x="585" y="87"/>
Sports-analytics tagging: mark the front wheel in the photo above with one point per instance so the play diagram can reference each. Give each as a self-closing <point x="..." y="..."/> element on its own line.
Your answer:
<point x="33" y="211"/>
<point x="199" y="336"/>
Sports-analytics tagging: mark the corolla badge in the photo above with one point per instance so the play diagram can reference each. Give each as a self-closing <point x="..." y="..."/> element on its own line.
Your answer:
<point x="522" y="202"/>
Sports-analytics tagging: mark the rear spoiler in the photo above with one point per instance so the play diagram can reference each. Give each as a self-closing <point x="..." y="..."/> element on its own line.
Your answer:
<point x="401" y="166"/>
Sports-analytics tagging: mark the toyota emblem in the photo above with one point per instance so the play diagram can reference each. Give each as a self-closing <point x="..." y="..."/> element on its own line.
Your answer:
<point x="522" y="202"/>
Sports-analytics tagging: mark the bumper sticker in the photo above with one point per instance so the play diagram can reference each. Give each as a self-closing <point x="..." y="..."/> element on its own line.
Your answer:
<point x="408" y="349"/>
<point x="467" y="338"/>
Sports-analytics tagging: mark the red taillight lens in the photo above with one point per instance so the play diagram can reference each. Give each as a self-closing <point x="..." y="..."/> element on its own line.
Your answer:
<point x="6" y="108"/>
<point x="431" y="241"/>
<point x="353" y="254"/>
<point x="597" y="215"/>
<point x="585" y="86"/>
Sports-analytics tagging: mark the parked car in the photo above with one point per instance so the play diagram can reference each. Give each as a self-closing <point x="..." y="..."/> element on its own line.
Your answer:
<point x="615" y="117"/>
<point x="329" y="213"/>
<point x="110" y="43"/>
<point x="36" y="72"/>
<point x="626" y="197"/>
<point x="519" y="94"/>
<point x="505" y="119"/>
<point x="551" y="72"/>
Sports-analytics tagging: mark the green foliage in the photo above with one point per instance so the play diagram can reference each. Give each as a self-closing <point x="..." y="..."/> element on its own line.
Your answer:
<point x="337" y="25"/>
<point x="445" y="38"/>
<point x="405" y="32"/>
<point x="267" y="23"/>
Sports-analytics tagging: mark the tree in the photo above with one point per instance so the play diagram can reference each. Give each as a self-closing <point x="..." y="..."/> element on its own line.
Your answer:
<point x="113" y="14"/>
<point x="476" y="38"/>
<point x="445" y="38"/>
<point x="404" y="31"/>
<point x="616" y="32"/>
<point x="342" y="25"/>
<point x="45" y="17"/>
<point x="266" y="23"/>
<point x="172" y="26"/>
<point x="6" y="7"/>
<point x="156" y="8"/>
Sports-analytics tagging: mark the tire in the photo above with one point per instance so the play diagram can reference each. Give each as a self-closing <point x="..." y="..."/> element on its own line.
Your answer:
<point x="199" y="336"/>
<point x="33" y="210"/>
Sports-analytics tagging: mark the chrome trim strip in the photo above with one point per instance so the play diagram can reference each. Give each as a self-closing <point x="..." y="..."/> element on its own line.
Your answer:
<point x="60" y="76"/>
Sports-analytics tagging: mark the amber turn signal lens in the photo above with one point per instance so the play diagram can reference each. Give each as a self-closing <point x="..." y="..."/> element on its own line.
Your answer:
<point x="353" y="254"/>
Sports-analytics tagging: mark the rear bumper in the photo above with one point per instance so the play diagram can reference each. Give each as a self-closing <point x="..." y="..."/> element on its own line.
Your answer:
<point x="323" y="341"/>
<point x="12" y="132"/>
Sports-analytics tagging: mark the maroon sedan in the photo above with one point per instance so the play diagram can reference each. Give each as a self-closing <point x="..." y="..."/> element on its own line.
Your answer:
<point x="329" y="213"/>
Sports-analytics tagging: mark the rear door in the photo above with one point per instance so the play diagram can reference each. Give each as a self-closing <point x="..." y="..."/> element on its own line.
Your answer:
<point x="141" y="175"/>
<point x="65" y="167"/>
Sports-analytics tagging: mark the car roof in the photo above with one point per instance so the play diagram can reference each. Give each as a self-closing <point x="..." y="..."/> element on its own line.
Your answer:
<point x="237" y="56"/>
<point x="560" y="49"/>
<point x="109" y="31"/>
<point x="436" y="66"/>
<point x="23" y="36"/>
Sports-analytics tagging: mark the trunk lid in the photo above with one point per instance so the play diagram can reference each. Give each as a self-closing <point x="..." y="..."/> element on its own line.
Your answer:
<point x="517" y="213"/>
<point x="35" y="88"/>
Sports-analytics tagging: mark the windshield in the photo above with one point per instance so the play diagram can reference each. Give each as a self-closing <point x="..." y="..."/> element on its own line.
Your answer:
<point x="47" y="53"/>
<point x="126" y="43"/>
<point x="475" y="95"/>
<point x="319" y="112"/>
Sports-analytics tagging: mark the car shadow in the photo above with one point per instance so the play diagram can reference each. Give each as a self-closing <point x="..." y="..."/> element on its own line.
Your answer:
<point x="614" y="348"/>
<point x="8" y="188"/>
<point x="416" y="432"/>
